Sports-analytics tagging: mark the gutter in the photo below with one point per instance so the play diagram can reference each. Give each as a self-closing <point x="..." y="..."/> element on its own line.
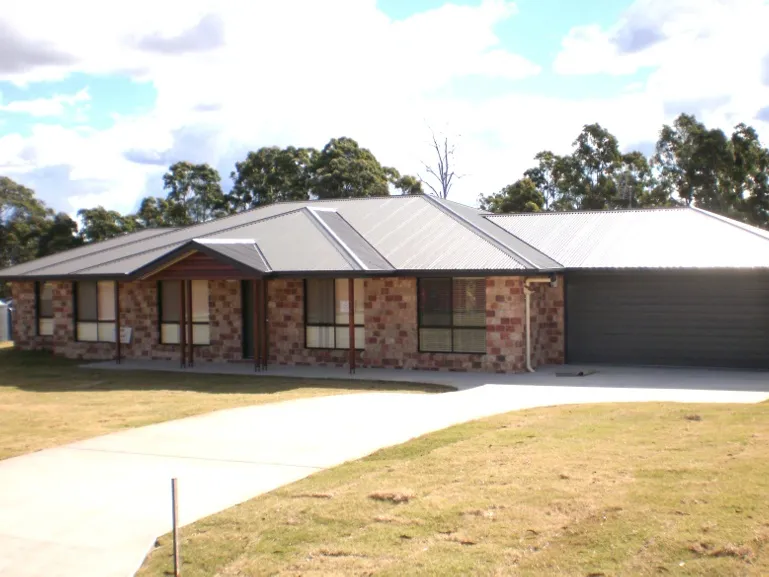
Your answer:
<point x="527" y="290"/>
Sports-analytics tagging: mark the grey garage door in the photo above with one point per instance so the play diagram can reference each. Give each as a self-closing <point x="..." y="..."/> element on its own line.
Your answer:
<point x="685" y="319"/>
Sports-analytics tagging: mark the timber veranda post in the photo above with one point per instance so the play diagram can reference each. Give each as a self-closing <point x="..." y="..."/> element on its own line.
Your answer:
<point x="190" y="325"/>
<point x="182" y="323"/>
<point x="117" y="323"/>
<point x="255" y="320"/>
<point x="351" y="318"/>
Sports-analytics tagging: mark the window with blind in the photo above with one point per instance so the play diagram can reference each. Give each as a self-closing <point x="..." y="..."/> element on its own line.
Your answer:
<point x="327" y="313"/>
<point x="452" y="315"/>
<point x="44" y="308"/>
<point x="169" y="304"/>
<point x="95" y="311"/>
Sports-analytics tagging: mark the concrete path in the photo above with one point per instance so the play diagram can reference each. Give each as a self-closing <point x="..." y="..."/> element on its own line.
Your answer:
<point x="95" y="507"/>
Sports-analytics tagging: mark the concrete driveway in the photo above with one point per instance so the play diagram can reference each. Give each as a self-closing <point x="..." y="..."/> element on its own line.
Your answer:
<point x="95" y="507"/>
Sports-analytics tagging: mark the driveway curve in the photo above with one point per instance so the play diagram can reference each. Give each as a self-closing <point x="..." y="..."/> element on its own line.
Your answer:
<point x="95" y="507"/>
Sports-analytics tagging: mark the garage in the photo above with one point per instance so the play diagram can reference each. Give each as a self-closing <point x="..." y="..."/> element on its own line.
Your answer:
<point x="692" y="318"/>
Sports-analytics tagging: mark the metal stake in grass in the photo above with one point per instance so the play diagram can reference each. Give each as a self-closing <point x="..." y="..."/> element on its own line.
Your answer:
<point x="175" y="515"/>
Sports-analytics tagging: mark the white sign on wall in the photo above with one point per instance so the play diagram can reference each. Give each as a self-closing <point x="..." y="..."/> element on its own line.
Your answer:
<point x="344" y="307"/>
<point x="126" y="333"/>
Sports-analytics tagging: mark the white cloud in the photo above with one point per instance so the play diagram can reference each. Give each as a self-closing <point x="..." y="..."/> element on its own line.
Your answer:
<point x="703" y="56"/>
<point x="236" y="75"/>
<point x="54" y="106"/>
<point x="271" y="77"/>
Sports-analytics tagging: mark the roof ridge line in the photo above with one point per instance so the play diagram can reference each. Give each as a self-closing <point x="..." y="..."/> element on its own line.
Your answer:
<point x="539" y="250"/>
<point x="483" y="234"/>
<point x="347" y="222"/>
<point x="591" y="211"/>
<point x="182" y="242"/>
<point x="264" y="258"/>
<point x="346" y="199"/>
<point x="731" y="222"/>
<point x="326" y="230"/>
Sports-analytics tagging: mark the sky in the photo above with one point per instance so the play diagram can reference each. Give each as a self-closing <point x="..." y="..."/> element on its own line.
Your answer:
<point x="98" y="98"/>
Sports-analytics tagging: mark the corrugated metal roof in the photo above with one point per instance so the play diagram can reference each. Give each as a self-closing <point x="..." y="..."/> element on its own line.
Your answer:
<point x="117" y="267"/>
<point x="124" y="242"/>
<point x="413" y="234"/>
<point x="292" y="242"/>
<point x="654" y="239"/>
<point x="475" y="218"/>
<point x="364" y="256"/>
<point x="243" y="251"/>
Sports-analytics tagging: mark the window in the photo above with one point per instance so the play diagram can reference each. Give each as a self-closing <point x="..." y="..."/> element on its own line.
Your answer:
<point x="95" y="311"/>
<point x="44" y="307"/>
<point x="169" y="300"/>
<point x="452" y="315"/>
<point x="327" y="314"/>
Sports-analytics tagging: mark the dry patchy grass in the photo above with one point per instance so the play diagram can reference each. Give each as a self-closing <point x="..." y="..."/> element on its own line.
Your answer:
<point x="593" y="490"/>
<point x="47" y="401"/>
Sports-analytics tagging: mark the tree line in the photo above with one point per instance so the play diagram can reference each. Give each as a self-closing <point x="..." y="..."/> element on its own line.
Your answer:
<point x="691" y="165"/>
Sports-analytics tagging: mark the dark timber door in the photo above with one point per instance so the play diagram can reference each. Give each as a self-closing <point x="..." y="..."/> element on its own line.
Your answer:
<point x="686" y="319"/>
<point x="247" y="292"/>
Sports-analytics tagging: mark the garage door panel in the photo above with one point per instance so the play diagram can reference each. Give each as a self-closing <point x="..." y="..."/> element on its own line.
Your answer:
<point x="703" y="319"/>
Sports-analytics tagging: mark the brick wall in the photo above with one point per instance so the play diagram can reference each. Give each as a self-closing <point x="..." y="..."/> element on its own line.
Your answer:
<point x="24" y="322"/>
<point x="547" y="324"/>
<point x="138" y="310"/>
<point x="285" y="317"/>
<point x="390" y="319"/>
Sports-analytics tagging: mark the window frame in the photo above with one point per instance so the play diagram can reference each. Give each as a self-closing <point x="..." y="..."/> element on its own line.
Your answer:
<point x="99" y="321"/>
<point x="178" y="323"/>
<point x="39" y="285"/>
<point x="451" y="327"/>
<point x="358" y="346"/>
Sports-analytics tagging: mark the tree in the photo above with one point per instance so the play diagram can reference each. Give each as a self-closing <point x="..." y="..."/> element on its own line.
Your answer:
<point x="271" y="174"/>
<point x="59" y="235"/>
<point x="406" y="184"/>
<point x="545" y="176"/>
<point x="443" y="171"/>
<point x="101" y="224"/>
<point x="521" y="196"/>
<point x="196" y="189"/>
<point x="345" y="170"/>
<point x="705" y="168"/>
<point x="23" y="218"/>
<point x="594" y="162"/>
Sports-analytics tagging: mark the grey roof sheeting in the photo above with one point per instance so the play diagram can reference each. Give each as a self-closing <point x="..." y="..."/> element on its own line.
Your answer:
<point x="651" y="238"/>
<point x="476" y="219"/>
<point x="410" y="233"/>
<point x="123" y="242"/>
<point x="243" y="251"/>
<point x="349" y="240"/>
<point x="415" y="234"/>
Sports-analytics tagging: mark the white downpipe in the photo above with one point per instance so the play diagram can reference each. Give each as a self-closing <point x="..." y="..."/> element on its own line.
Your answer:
<point x="527" y="296"/>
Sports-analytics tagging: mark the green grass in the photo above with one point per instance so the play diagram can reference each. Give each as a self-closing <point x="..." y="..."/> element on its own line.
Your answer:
<point x="644" y="489"/>
<point x="47" y="401"/>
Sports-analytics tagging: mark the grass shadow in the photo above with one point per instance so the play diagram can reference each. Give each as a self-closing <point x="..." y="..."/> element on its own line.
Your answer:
<point x="41" y="371"/>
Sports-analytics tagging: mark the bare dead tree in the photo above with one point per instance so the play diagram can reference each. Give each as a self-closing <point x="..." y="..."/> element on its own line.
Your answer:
<point x="443" y="170"/>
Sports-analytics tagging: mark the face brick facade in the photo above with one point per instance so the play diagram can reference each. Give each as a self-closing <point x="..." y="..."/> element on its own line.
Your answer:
<point x="390" y="318"/>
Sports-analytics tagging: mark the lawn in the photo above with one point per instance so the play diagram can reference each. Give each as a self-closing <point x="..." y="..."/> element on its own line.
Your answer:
<point x="644" y="489"/>
<point x="47" y="401"/>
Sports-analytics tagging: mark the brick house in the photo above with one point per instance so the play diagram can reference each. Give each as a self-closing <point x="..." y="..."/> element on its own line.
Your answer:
<point x="410" y="282"/>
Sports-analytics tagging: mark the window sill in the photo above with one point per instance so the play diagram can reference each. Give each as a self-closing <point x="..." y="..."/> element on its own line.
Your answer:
<point x="330" y="349"/>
